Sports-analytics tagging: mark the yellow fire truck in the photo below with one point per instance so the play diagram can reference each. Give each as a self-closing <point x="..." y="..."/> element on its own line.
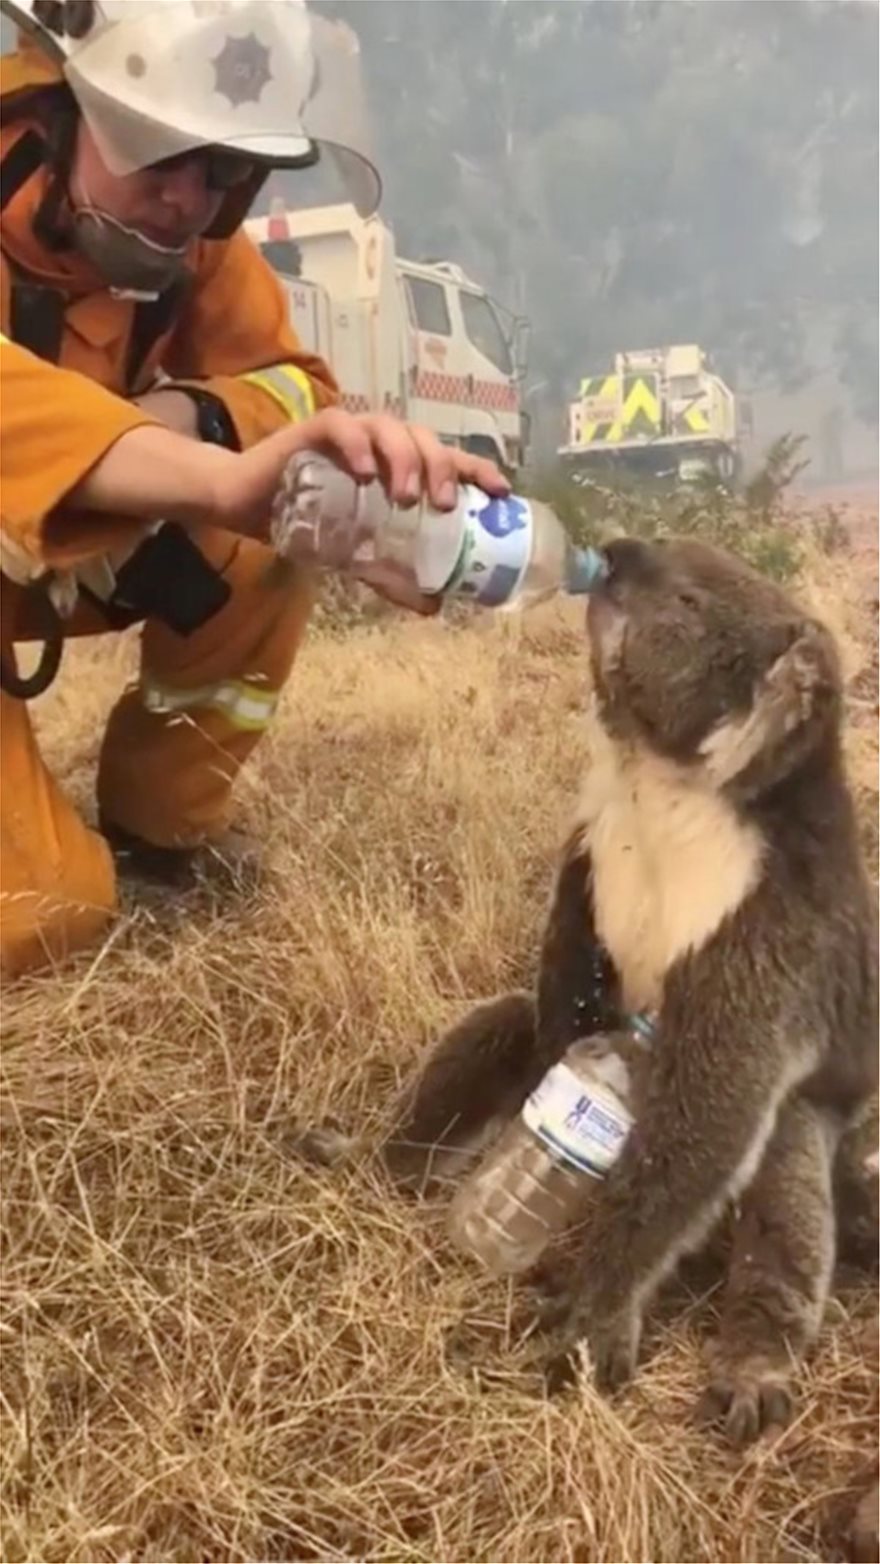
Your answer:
<point x="660" y="413"/>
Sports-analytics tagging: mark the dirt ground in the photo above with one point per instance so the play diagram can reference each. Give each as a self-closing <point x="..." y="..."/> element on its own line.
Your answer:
<point x="214" y="1352"/>
<point x="856" y="506"/>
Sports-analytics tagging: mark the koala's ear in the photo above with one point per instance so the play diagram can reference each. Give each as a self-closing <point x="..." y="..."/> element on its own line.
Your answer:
<point x="793" y="704"/>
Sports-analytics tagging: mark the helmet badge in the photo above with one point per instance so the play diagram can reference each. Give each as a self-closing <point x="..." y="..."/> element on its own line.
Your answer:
<point x="241" y="70"/>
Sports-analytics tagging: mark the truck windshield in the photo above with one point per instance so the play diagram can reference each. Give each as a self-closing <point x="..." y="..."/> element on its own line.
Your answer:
<point x="484" y="331"/>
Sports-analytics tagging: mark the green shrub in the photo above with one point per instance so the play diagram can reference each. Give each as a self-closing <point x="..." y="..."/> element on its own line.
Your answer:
<point x="753" y="523"/>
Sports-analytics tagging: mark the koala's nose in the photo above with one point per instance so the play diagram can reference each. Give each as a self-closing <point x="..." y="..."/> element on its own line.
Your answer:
<point x="632" y="560"/>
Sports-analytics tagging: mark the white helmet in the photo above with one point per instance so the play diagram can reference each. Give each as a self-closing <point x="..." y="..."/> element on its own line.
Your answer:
<point x="266" y="79"/>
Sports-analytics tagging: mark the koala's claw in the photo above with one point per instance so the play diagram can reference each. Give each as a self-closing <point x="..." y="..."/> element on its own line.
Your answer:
<point x="614" y="1348"/>
<point x="560" y="1371"/>
<point x="613" y="1351"/>
<point x="746" y="1404"/>
<point x="551" y="1314"/>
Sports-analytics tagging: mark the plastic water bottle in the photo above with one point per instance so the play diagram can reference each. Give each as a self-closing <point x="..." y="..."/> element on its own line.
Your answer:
<point x="542" y="1174"/>
<point x="496" y="552"/>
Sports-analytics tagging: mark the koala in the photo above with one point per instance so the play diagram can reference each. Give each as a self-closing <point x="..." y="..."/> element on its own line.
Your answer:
<point x="712" y="875"/>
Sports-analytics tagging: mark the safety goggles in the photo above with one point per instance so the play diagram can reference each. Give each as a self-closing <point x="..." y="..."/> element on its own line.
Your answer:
<point x="223" y="170"/>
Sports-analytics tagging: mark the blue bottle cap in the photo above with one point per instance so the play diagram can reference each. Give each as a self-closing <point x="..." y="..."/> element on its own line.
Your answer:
<point x="585" y="571"/>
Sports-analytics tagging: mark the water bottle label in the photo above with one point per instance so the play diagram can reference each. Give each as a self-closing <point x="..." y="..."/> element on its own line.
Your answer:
<point x="586" y="1125"/>
<point x="495" y="547"/>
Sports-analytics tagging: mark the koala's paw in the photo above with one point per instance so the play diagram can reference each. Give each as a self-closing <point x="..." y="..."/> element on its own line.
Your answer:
<point x="612" y="1343"/>
<point x="746" y="1399"/>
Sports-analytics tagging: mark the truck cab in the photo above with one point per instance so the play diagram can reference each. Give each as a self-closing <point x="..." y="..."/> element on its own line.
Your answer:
<point x="417" y="338"/>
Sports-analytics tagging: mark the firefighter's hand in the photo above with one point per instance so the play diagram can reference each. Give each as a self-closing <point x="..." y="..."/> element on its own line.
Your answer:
<point x="410" y="461"/>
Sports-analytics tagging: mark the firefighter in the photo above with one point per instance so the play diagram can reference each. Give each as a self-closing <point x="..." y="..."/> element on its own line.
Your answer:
<point x="137" y="320"/>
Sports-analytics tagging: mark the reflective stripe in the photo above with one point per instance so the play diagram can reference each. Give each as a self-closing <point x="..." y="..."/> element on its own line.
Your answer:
<point x="246" y="706"/>
<point x="290" y="387"/>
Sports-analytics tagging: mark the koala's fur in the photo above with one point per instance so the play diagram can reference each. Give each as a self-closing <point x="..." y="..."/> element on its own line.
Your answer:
<point x="713" y="874"/>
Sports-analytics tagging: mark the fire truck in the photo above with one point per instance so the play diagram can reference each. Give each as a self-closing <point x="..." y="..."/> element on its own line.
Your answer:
<point x="659" y="413"/>
<point x="420" y="339"/>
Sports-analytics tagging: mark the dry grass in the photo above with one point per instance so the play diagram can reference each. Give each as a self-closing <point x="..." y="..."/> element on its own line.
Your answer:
<point x="214" y="1352"/>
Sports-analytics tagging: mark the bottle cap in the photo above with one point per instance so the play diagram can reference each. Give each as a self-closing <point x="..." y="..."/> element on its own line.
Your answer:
<point x="586" y="570"/>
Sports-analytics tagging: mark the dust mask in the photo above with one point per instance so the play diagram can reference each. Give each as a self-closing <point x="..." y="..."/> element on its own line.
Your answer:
<point x="127" y="260"/>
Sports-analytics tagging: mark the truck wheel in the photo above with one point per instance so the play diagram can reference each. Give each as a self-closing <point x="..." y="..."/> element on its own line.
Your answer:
<point x="725" y="466"/>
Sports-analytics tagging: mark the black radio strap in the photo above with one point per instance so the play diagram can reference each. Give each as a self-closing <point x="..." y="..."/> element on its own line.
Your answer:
<point x="20" y="162"/>
<point x="152" y="318"/>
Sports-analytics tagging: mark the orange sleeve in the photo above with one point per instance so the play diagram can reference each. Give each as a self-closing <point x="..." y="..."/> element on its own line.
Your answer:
<point x="55" y="425"/>
<point x="235" y="340"/>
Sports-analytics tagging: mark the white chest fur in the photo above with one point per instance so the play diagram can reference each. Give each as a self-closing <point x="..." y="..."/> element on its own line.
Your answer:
<point x="670" y="861"/>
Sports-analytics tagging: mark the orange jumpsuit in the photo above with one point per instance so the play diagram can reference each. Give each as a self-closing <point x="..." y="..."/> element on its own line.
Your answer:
<point x="163" y="779"/>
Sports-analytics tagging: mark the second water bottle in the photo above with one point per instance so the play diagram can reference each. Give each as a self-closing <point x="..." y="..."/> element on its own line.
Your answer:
<point x="543" y="1173"/>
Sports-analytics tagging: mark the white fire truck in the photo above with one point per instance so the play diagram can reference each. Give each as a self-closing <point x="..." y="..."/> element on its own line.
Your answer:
<point x="421" y="340"/>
